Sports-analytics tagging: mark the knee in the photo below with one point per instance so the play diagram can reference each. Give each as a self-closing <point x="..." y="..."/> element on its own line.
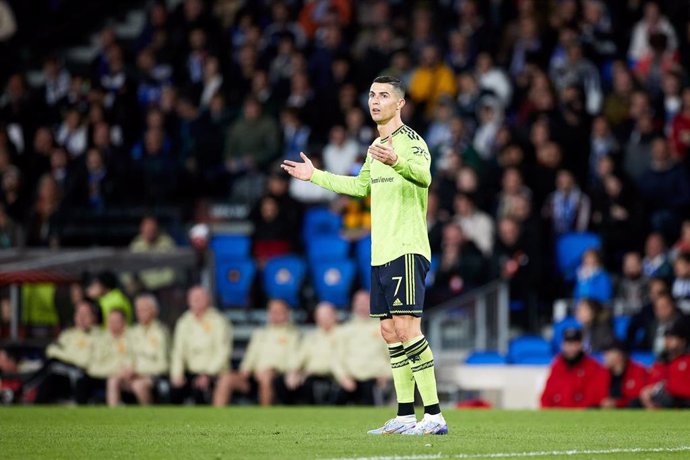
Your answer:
<point x="403" y="333"/>
<point x="388" y="333"/>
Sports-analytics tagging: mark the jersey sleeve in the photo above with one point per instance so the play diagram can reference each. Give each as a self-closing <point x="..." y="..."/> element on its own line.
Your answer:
<point x="414" y="160"/>
<point x="358" y="185"/>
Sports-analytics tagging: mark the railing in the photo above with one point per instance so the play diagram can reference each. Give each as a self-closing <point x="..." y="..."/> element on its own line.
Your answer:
<point x="477" y="320"/>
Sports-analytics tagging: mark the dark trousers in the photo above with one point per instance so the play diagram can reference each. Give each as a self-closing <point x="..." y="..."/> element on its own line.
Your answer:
<point x="89" y="389"/>
<point x="187" y="391"/>
<point x="55" y="380"/>
<point x="316" y="390"/>
<point x="363" y="394"/>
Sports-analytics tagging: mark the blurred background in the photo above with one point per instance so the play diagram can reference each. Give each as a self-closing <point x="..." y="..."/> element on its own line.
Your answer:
<point x="139" y="144"/>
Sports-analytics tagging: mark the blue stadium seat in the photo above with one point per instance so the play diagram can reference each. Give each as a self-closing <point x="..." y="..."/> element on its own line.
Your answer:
<point x="431" y="274"/>
<point x="231" y="246"/>
<point x="320" y="222"/>
<point x="363" y="253"/>
<point x="646" y="358"/>
<point x="283" y="278"/>
<point x="485" y="357"/>
<point x="529" y="349"/>
<point x="333" y="281"/>
<point x="533" y="359"/>
<point x="234" y="278"/>
<point x="558" y="330"/>
<point x="569" y="250"/>
<point x="324" y="248"/>
<point x="620" y="326"/>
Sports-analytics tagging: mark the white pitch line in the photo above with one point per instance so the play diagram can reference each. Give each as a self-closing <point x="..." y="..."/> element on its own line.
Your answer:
<point x="632" y="450"/>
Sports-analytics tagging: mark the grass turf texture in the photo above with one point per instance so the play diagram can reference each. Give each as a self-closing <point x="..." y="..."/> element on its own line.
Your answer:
<point x="250" y="432"/>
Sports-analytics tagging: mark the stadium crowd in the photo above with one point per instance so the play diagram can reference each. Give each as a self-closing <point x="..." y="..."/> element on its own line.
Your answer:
<point x="543" y="118"/>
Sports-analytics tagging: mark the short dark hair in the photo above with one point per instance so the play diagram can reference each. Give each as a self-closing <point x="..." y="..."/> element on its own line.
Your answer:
<point x="395" y="82"/>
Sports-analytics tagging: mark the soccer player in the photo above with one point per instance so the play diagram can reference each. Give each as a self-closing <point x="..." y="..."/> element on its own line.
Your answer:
<point x="397" y="175"/>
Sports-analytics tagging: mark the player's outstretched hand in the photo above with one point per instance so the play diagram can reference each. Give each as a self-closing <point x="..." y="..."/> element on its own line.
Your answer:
<point x="384" y="153"/>
<point x="302" y="171"/>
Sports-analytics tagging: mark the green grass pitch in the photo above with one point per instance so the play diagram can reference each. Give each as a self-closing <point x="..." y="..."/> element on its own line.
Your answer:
<point x="321" y="433"/>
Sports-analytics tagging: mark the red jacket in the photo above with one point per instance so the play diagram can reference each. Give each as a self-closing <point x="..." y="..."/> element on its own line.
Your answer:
<point x="680" y="135"/>
<point x="634" y="379"/>
<point x="578" y="386"/>
<point x="675" y="374"/>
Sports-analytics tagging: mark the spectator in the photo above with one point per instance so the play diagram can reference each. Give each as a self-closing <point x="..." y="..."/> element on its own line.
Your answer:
<point x="72" y="134"/>
<point x="669" y="382"/>
<point x="596" y="325"/>
<point x="567" y="209"/>
<point x="110" y="353"/>
<point x="461" y="266"/>
<point x="592" y="281"/>
<point x="683" y="243"/>
<point x="680" y="129"/>
<point x="655" y="263"/>
<point x="681" y="284"/>
<point x="150" y="340"/>
<point x="68" y="358"/>
<point x="269" y="353"/>
<point x="575" y="379"/>
<point x="295" y="134"/>
<point x="578" y="71"/>
<point x="666" y="189"/>
<point x="652" y="22"/>
<point x="200" y="359"/>
<point x="431" y="80"/>
<point x="515" y="260"/>
<point x="512" y="186"/>
<point x="626" y="377"/>
<point x="656" y="62"/>
<point x="665" y="314"/>
<point x="274" y="233"/>
<point x="151" y="240"/>
<point x="43" y="227"/>
<point x="95" y="188"/>
<point x="341" y="152"/>
<point x="361" y="363"/>
<point x="631" y="288"/>
<point x="476" y="225"/>
<point x="310" y="378"/>
<point x="104" y="289"/>
<point x="492" y="79"/>
<point x="616" y="218"/>
<point x="252" y="140"/>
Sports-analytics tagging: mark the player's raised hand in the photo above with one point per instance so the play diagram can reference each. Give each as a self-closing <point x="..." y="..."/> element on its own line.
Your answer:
<point x="302" y="171"/>
<point x="384" y="153"/>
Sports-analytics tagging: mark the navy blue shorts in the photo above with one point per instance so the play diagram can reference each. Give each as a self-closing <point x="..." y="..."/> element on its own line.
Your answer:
<point x="397" y="287"/>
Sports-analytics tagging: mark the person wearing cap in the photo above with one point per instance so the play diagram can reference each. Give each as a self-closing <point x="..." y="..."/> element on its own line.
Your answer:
<point x="576" y="380"/>
<point x="669" y="383"/>
<point x="626" y="378"/>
